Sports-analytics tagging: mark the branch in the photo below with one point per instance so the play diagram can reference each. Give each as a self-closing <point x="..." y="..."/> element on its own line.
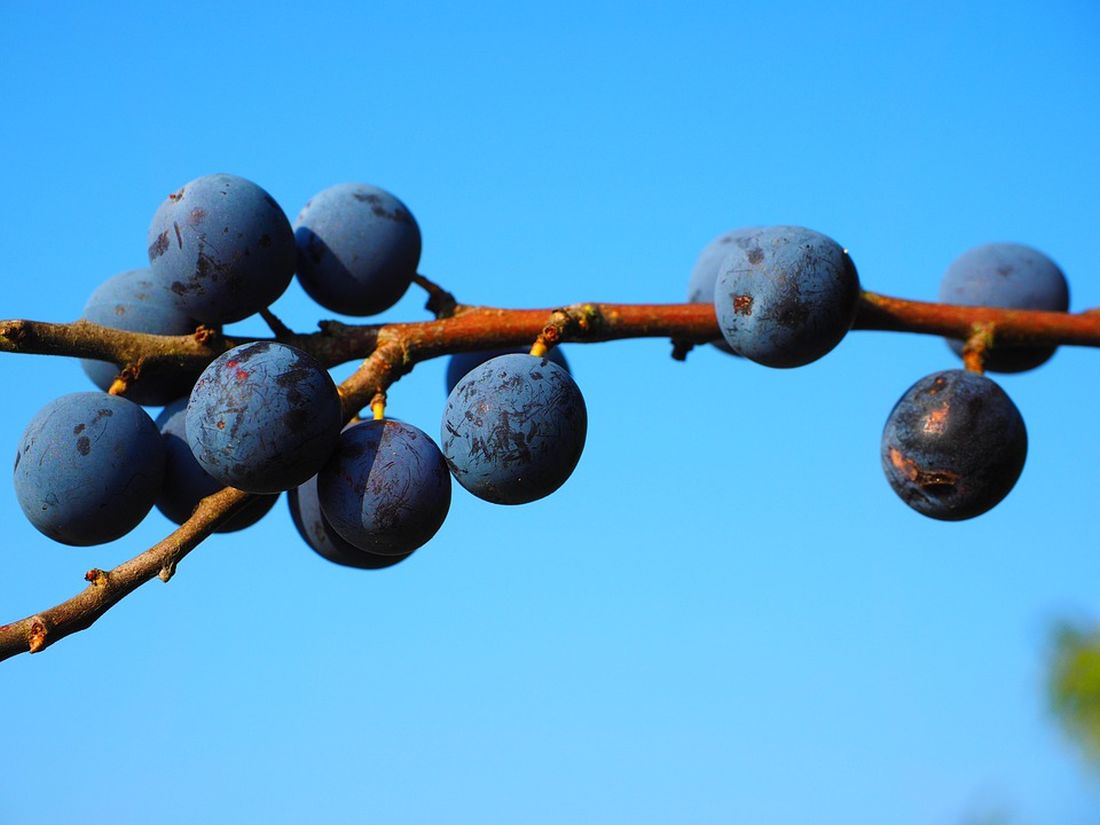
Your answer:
<point x="392" y="350"/>
<point x="108" y="587"/>
<point x="1010" y="327"/>
<point x="471" y="328"/>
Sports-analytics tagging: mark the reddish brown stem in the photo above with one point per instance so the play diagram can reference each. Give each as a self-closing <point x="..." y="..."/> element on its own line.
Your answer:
<point x="391" y="350"/>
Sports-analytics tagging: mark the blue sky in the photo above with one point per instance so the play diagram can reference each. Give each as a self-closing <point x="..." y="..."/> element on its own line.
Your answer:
<point x="725" y="615"/>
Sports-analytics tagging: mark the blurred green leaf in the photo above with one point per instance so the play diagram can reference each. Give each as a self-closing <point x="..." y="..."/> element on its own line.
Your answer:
<point x="1075" y="685"/>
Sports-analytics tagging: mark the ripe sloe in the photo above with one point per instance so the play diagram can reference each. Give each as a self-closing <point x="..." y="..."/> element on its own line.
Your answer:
<point x="137" y="302"/>
<point x="954" y="445"/>
<point x="1006" y="275"/>
<point x="305" y="512"/>
<point x="88" y="468"/>
<point x="785" y="295"/>
<point x="263" y="417"/>
<point x="186" y="483"/>
<point x="358" y="248"/>
<point x="514" y="428"/>
<point x="224" y="248"/>
<point x="386" y="488"/>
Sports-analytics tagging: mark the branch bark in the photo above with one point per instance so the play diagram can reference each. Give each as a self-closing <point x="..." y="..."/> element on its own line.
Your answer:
<point x="391" y="350"/>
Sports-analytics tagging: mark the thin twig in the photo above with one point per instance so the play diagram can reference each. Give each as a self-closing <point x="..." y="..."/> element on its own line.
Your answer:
<point x="441" y="303"/>
<point x="280" y="330"/>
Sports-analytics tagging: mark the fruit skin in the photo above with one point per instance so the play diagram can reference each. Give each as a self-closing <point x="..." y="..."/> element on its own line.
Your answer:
<point x="954" y="445"/>
<point x="785" y="295"/>
<point x="137" y="302"/>
<point x="186" y="482"/>
<point x="1008" y="275"/>
<point x="386" y="489"/>
<point x="223" y="247"/>
<point x="88" y="468"/>
<point x="358" y="248"/>
<point x="704" y="274"/>
<point x="513" y="429"/>
<point x="305" y="511"/>
<point x="462" y="362"/>
<point x="263" y="417"/>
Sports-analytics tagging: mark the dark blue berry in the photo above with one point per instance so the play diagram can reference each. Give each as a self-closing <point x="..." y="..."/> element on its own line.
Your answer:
<point x="186" y="483"/>
<point x="358" y="248"/>
<point x="1006" y="275"/>
<point x="785" y="295"/>
<point x="704" y="274"/>
<point x="136" y="301"/>
<point x="386" y="488"/>
<point x="88" y="468"/>
<point x="954" y="445"/>
<point x="263" y="417"/>
<point x="223" y="247"/>
<point x="305" y="511"/>
<point x="514" y="428"/>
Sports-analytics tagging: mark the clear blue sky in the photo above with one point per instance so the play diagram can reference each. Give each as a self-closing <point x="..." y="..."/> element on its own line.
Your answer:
<point x="725" y="615"/>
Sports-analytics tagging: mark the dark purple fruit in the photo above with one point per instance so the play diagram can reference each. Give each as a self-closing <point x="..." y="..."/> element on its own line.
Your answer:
<point x="1006" y="275"/>
<point x="954" y="445"/>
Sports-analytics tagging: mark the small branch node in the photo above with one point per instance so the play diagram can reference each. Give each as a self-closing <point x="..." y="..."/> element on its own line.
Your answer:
<point x="168" y="570"/>
<point x="36" y="639"/>
<point x="12" y="333"/>
<point x="97" y="577"/>
<point x="681" y="348"/>
<point x="205" y="335"/>
<point x="441" y="303"/>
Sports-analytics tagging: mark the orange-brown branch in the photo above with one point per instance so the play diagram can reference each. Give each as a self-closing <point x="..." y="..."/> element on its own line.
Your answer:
<point x="391" y="350"/>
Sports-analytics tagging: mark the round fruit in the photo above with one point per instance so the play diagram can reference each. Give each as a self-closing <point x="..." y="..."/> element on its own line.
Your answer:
<point x="785" y="295"/>
<point x="224" y="248"/>
<point x="1006" y="275"/>
<point x="88" y="468"/>
<point x="137" y="302"/>
<point x="386" y="489"/>
<point x="954" y="445"/>
<point x="462" y="362"/>
<point x="186" y="483"/>
<point x="263" y="417"/>
<point x="358" y="248"/>
<point x="305" y="512"/>
<point x="514" y="428"/>
<point x="704" y="274"/>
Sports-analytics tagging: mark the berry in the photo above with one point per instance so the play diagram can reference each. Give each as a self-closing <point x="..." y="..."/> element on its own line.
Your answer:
<point x="358" y="248"/>
<point x="88" y="468"/>
<point x="785" y="295"/>
<point x="514" y="428"/>
<point x="305" y="511"/>
<point x="386" y="489"/>
<point x="186" y="483"/>
<point x="263" y="417"/>
<point x="462" y="362"/>
<point x="224" y="248"/>
<point x="137" y="302"/>
<point x="954" y="445"/>
<point x="1006" y="275"/>
<point x="704" y="274"/>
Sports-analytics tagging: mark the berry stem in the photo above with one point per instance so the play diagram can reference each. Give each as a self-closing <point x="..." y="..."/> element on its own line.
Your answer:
<point x="977" y="347"/>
